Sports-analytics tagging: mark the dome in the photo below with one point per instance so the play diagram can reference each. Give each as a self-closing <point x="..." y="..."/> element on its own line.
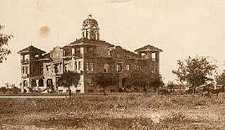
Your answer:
<point x="90" y="29"/>
<point x="90" y="22"/>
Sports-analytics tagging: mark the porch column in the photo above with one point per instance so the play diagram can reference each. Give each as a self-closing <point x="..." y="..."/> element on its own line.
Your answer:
<point x="37" y="83"/>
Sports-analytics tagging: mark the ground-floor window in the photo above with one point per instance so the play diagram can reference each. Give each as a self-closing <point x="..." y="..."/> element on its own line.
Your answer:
<point x="25" y="83"/>
<point x="33" y="83"/>
<point x="77" y="91"/>
<point x="41" y="82"/>
<point x="49" y="82"/>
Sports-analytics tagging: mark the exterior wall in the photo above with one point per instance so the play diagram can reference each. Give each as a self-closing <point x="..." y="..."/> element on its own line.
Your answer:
<point x="88" y="61"/>
<point x="117" y="56"/>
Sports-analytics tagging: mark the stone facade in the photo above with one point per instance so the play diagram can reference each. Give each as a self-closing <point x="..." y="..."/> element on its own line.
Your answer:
<point x="87" y="56"/>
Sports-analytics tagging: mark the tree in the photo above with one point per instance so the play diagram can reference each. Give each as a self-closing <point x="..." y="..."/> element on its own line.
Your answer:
<point x="4" y="51"/>
<point x="138" y="80"/>
<point x="194" y="71"/>
<point x="156" y="82"/>
<point x="171" y="86"/>
<point x="220" y="78"/>
<point x="69" y="79"/>
<point x="105" y="80"/>
<point x="3" y="90"/>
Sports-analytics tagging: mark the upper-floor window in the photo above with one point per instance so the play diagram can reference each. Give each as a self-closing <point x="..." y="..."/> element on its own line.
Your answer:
<point x="106" y="68"/>
<point x="109" y="52"/>
<point x="119" y="67"/>
<point x="90" y="66"/>
<point x="143" y="55"/>
<point x="41" y="69"/>
<point x="79" y="65"/>
<point x="36" y="56"/>
<point x="25" y="70"/>
<point x="67" y="52"/>
<point x="153" y="56"/>
<point x="26" y="57"/>
<point x="73" y="51"/>
<point x="48" y="67"/>
<point x="66" y="67"/>
<point x="77" y="51"/>
<point x="127" y="67"/>
<point x="75" y="66"/>
<point x="56" y="68"/>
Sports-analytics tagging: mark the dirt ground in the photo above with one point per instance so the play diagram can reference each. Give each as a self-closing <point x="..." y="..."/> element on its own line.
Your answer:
<point x="120" y="111"/>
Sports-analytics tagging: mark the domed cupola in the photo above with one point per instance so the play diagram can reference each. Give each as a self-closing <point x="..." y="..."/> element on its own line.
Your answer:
<point x="90" y="29"/>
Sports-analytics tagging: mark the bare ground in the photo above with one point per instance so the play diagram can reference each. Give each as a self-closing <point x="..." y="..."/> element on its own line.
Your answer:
<point x="124" y="111"/>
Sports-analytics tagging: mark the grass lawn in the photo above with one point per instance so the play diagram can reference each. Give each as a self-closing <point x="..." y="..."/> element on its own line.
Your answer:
<point x="120" y="111"/>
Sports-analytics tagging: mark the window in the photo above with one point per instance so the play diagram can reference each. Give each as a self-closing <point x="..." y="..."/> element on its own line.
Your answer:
<point x="33" y="83"/>
<point x="77" y="51"/>
<point x="23" y="70"/>
<point x="26" y="57"/>
<point x="56" y="68"/>
<point x="41" y="69"/>
<point x="48" y="67"/>
<point x="41" y="82"/>
<point x="90" y="66"/>
<point x="36" y="56"/>
<point x="26" y="70"/>
<point x="153" y="56"/>
<point x="79" y="65"/>
<point x="109" y="52"/>
<point x="127" y="67"/>
<point x="143" y="55"/>
<point x="57" y="82"/>
<point x="49" y="82"/>
<point x="106" y="68"/>
<point x="77" y="91"/>
<point x="66" y="68"/>
<point x="73" y="51"/>
<point x="119" y="67"/>
<point x="25" y="83"/>
<point x="75" y="66"/>
<point x="66" y="52"/>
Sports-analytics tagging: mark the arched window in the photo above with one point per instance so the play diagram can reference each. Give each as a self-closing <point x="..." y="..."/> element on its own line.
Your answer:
<point x="25" y="83"/>
<point x="119" y="67"/>
<point x="106" y="68"/>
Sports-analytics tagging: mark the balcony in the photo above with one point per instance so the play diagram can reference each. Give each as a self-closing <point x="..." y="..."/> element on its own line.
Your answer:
<point x="77" y="55"/>
<point x="25" y="75"/>
<point x="25" y="61"/>
<point x="90" y="55"/>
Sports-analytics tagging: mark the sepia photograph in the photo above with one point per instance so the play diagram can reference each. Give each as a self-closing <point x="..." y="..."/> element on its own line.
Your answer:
<point x="112" y="65"/>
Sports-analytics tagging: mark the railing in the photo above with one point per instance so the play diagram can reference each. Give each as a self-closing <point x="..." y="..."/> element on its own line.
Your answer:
<point x="24" y="61"/>
<point x="25" y="75"/>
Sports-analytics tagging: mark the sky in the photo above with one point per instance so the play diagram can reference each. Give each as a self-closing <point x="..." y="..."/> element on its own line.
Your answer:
<point x="181" y="28"/>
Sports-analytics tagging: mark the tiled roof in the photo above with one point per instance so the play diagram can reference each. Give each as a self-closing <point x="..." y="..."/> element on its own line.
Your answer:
<point x="87" y="42"/>
<point x="31" y="49"/>
<point x="148" y="48"/>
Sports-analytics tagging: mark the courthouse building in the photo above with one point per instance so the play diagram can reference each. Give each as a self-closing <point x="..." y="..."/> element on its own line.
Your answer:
<point x="87" y="56"/>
